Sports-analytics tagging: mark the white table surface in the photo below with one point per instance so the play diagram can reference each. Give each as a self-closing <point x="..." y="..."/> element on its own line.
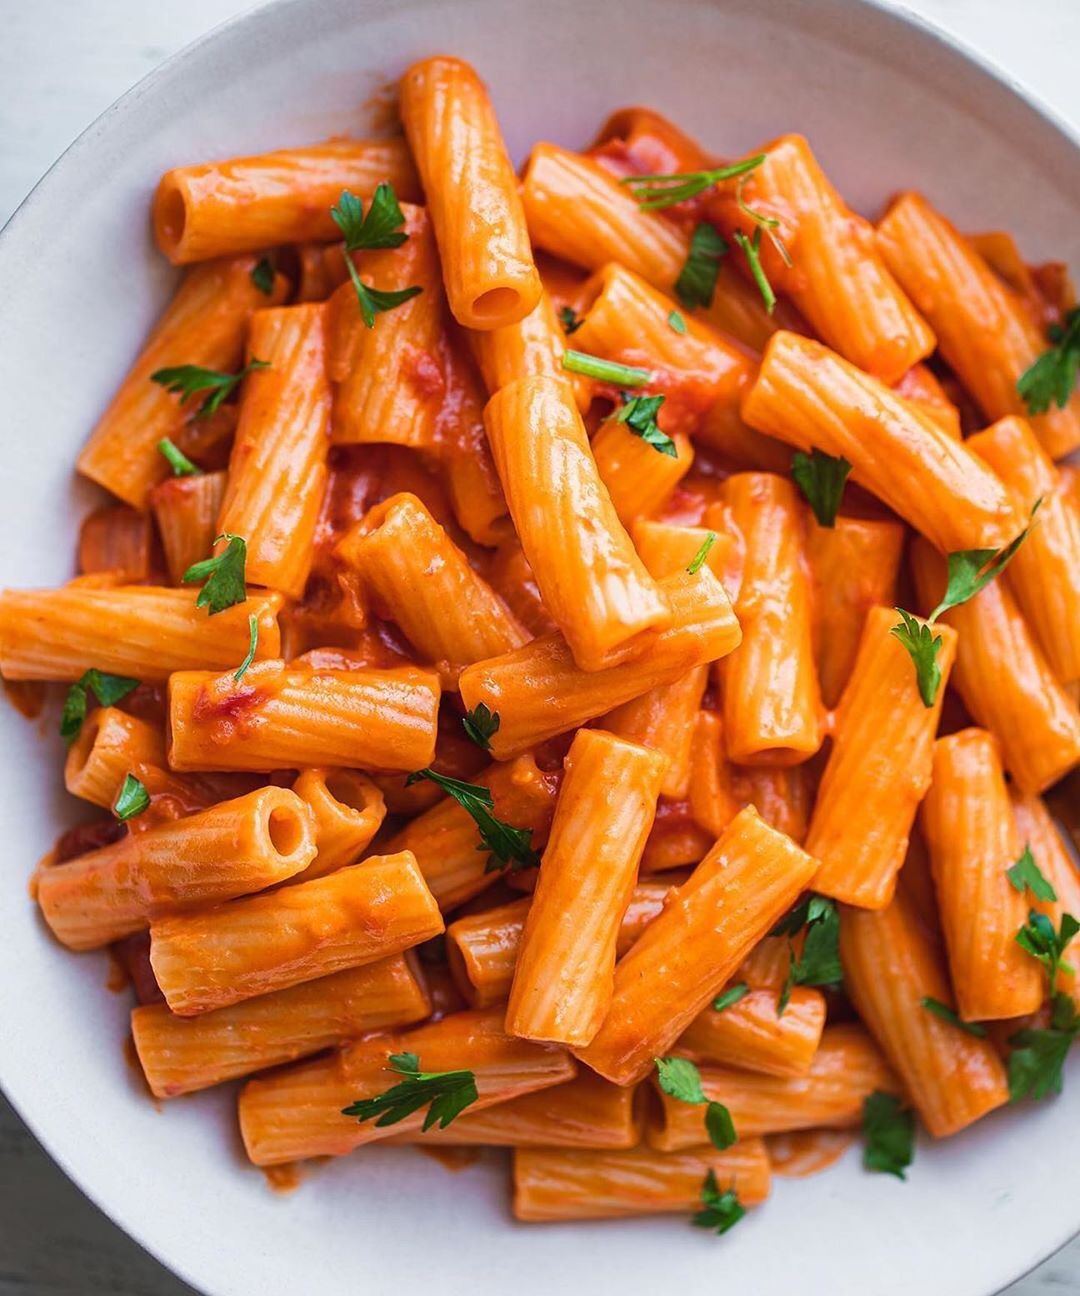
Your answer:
<point x="61" y="63"/>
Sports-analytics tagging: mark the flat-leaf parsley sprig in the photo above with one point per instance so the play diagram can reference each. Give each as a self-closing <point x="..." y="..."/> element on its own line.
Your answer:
<point x="509" y="846"/>
<point x="969" y="571"/>
<point x="379" y="228"/>
<point x="679" y="1078"/>
<point x="187" y="381"/>
<point x="222" y="576"/>
<point x="446" y="1094"/>
<point x="108" y="689"/>
<point x="1051" y="380"/>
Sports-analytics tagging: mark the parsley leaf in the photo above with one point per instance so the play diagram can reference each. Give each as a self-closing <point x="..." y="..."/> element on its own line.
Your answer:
<point x="639" y="415"/>
<point x="698" y="560"/>
<point x="569" y="321"/>
<point x="821" y="479"/>
<point x="820" y="962"/>
<point x="971" y="570"/>
<point x="889" y="1131"/>
<point x="719" y="1126"/>
<point x="1040" y="940"/>
<point x="262" y="276"/>
<point x="680" y="1079"/>
<point x="1052" y="378"/>
<point x="480" y="724"/>
<point x="508" y="845"/>
<point x="1038" y="1055"/>
<point x="380" y="228"/>
<point x="1026" y="874"/>
<point x="922" y="646"/>
<point x="223" y="575"/>
<point x="731" y="996"/>
<point x="677" y="323"/>
<point x="697" y="279"/>
<point x="446" y="1094"/>
<point x="605" y="370"/>
<point x="108" y="689"/>
<point x="177" y="460"/>
<point x="751" y="249"/>
<point x="653" y="192"/>
<point x="721" y="1210"/>
<point x="949" y="1014"/>
<point x="253" y="633"/>
<point x="188" y="380"/>
<point x="131" y="800"/>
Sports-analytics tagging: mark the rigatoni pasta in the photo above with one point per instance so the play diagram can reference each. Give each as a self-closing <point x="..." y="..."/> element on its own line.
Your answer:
<point x="498" y="684"/>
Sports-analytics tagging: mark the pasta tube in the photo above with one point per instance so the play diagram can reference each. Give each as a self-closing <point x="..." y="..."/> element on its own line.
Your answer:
<point x="590" y="577"/>
<point x="565" y="967"/>
<point x="853" y="566"/>
<point x="984" y="329"/>
<point x="846" y="1070"/>
<point x="753" y="1035"/>
<point x="110" y="745"/>
<point x="890" y="966"/>
<point x="539" y="692"/>
<point x="689" y="952"/>
<point x="205" y="325"/>
<point x="183" y="1054"/>
<point x="772" y="702"/>
<point x="391" y="377"/>
<point x="557" y="1184"/>
<point x="472" y="194"/>
<point x="446" y="841"/>
<point x="281" y="718"/>
<point x="878" y="768"/>
<point x="233" y="952"/>
<point x="837" y="276"/>
<point x="1004" y="679"/>
<point x="482" y="948"/>
<point x="808" y="396"/>
<point x="1044" y="576"/>
<point x="347" y="810"/>
<point x="186" y="511"/>
<point x="968" y="824"/>
<point x="449" y="613"/>
<point x="297" y="1113"/>
<point x="243" y="204"/>
<point x="142" y="631"/>
<point x="228" y="850"/>
<point x="585" y="1112"/>
<point x="277" y="473"/>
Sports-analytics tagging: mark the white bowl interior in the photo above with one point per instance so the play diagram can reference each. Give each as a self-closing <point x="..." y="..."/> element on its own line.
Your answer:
<point x="886" y="105"/>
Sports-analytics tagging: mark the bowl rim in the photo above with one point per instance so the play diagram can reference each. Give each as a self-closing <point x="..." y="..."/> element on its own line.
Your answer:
<point x="893" y="14"/>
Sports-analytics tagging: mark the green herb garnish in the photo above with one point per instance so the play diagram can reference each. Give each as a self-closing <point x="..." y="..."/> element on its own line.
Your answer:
<point x="187" y="381"/>
<point x="889" y="1131"/>
<point x="821" y="479"/>
<point x="481" y="725"/>
<point x="223" y="575"/>
<point x="131" y="800"/>
<point x="177" y="460"/>
<point x="446" y="1094"/>
<point x="108" y="689"/>
<point x="696" y="283"/>
<point x="509" y="846"/>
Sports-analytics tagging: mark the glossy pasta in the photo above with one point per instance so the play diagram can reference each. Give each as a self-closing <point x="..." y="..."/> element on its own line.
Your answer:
<point x="565" y="665"/>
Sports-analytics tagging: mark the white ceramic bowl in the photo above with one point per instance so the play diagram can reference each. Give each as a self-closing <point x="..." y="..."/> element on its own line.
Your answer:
<point x="886" y="104"/>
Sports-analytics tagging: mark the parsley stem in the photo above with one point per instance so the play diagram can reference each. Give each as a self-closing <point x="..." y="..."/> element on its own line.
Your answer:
<point x="605" y="370"/>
